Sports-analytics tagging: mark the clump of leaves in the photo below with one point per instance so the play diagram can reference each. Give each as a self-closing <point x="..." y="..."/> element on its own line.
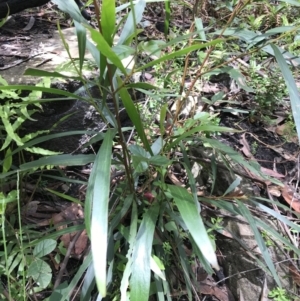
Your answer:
<point x="269" y="88"/>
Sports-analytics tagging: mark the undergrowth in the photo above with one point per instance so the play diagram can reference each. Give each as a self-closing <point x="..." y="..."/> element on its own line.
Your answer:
<point x="141" y="210"/>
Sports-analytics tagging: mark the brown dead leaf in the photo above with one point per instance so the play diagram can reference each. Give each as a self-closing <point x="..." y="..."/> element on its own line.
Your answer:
<point x="246" y="148"/>
<point x="174" y="179"/>
<point x="222" y="293"/>
<point x="295" y="273"/>
<point x="281" y="129"/>
<point x="285" y="129"/>
<point x="66" y="239"/>
<point x="272" y="173"/>
<point x="72" y="213"/>
<point x="291" y="197"/>
<point x="274" y="190"/>
<point x="81" y="243"/>
<point x="225" y="233"/>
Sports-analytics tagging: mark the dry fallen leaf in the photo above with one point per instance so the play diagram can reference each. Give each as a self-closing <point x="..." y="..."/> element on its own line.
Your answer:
<point x="246" y="148"/>
<point x="272" y="173"/>
<point x="295" y="274"/>
<point x="291" y="197"/>
<point x="72" y="213"/>
<point x="281" y="129"/>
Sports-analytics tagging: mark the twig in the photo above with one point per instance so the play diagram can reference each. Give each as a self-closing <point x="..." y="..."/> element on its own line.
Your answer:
<point x="66" y="259"/>
<point x="5" y="293"/>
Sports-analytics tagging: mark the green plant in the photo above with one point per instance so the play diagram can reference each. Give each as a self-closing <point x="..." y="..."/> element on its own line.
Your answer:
<point x="22" y="262"/>
<point x="254" y="147"/>
<point x="269" y="88"/>
<point x="144" y="229"/>
<point x="279" y="294"/>
<point x="268" y="240"/>
<point x="216" y="225"/>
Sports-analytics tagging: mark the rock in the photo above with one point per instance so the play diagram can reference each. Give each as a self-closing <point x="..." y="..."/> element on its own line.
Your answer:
<point x="245" y="276"/>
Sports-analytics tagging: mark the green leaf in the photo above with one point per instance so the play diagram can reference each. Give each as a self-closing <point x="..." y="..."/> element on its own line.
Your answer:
<point x="141" y="265"/>
<point x="240" y="79"/>
<point x="62" y="293"/>
<point x="144" y="86"/>
<point x="192" y="219"/>
<point x="70" y="7"/>
<point x="131" y="242"/>
<point x="139" y="151"/>
<point x="108" y="19"/>
<point x="65" y="196"/>
<point x="94" y="52"/>
<point x="81" y="38"/>
<point x="157" y="145"/>
<point x="16" y="261"/>
<point x="159" y="161"/>
<point x="134" y="17"/>
<point x="291" y="85"/>
<point x="252" y="38"/>
<point x="152" y="48"/>
<point x="134" y="115"/>
<point x="197" y="129"/>
<point x="10" y="128"/>
<point x="236" y="157"/>
<point x="49" y="137"/>
<point x="42" y="89"/>
<point x="88" y="284"/>
<point x="162" y="118"/>
<point x="11" y="197"/>
<point x="200" y="29"/>
<point x="44" y="247"/>
<point x="191" y="178"/>
<point x="292" y="2"/>
<point x="63" y="160"/>
<point x="97" y="199"/>
<point x="140" y="164"/>
<point x="40" y="272"/>
<point x="106" y="50"/>
<point x="277" y="215"/>
<point x="168" y="17"/>
<point x="233" y="185"/>
<point x="41" y="151"/>
<point x="260" y="241"/>
<point x="180" y="52"/>
<point x="7" y="160"/>
<point x="157" y="267"/>
<point x="59" y="292"/>
<point x="44" y="73"/>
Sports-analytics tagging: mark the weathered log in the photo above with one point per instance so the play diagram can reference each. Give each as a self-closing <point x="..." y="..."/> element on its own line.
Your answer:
<point x="15" y="6"/>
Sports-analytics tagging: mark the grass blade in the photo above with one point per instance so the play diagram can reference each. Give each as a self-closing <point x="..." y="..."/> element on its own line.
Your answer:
<point x="97" y="200"/>
<point x="131" y="240"/>
<point x="260" y="241"/>
<point x="291" y="85"/>
<point x="141" y="267"/>
<point x="194" y="223"/>
<point x="108" y="20"/>
<point x="134" y="117"/>
<point x="81" y="37"/>
<point x="64" y="160"/>
<point x="134" y="17"/>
